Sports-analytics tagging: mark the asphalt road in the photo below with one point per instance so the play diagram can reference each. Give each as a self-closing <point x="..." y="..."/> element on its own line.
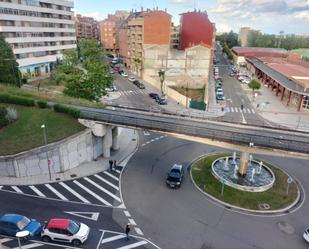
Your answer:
<point x="185" y="218"/>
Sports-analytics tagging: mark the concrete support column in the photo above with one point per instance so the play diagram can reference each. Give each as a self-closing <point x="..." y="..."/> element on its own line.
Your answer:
<point x="277" y="90"/>
<point x="244" y="157"/>
<point x="107" y="142"/>
<point x="282" y="95"/>
<point x="289" y="98"/>
<point x="115" y="140"/>
<point x="300" y="102"/>
<point x="16" y="169"/>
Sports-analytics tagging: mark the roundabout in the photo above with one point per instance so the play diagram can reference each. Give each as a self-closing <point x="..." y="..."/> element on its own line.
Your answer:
<point x="216" y="176"/>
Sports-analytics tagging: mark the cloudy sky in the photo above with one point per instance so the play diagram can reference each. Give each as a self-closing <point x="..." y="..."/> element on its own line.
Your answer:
<point x="269" y="16"/>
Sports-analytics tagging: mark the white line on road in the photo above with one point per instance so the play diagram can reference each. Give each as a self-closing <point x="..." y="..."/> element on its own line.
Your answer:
<point x="107" y="182"/>
<point x="126" y="213"/>
<point x="236" y="110"/>
<point x="92" y="193"/>
<point x="132" y="222"/>
<point x="17" y="189"/>
<point x="56" y="192"/>
<point x="110" y="175"/>
<point x="4" y="240"/>
<point x="244" y="110"/>
<point x="134" y="245"/>
<point x="74" y="192"/>
<point x="118" y="171"/>
<point x="138" y="231"/>
<point x="253" y="111"/>
<point x="143" y="144"/>
<point x="102" y="189"/>
<point x="29" y="246"/>
<point x="227" y="109"/>
<point x="232" y="109"/>
<point x="248" y="110"/>
<point x="116" y="237"/>
<point x="38" y="192"/>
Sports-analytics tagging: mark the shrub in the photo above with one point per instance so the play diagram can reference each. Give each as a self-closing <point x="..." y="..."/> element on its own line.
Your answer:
<point x="3" y="120"/>
<point x="42" y="104"/>
<point x="6" y="98"/>
<point x="75" y="113"/>
<point x="12" y="114"/>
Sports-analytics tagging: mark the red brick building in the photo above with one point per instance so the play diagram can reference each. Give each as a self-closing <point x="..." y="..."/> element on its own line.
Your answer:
<point x="196" y="28"/>
<point x="86" y="27"/>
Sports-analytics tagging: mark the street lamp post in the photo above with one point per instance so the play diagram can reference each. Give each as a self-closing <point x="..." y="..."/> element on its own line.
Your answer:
<point x="162" y="78"/>
<point x="45" y="141"/>
<point x="21" y="234"/>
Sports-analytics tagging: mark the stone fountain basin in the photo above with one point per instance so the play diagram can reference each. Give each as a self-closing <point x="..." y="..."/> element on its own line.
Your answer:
<point x="237" y="183"/>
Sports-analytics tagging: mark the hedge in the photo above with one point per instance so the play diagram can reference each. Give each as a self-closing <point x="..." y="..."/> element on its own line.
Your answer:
<point x="6" y="98"/>
<point x="3" y="119"/>
<point x="75" y="113"/>
<point x="42" y="104"/>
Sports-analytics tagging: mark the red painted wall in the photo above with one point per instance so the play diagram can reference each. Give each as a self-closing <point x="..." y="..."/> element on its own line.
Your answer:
<point x="195" y="28"/>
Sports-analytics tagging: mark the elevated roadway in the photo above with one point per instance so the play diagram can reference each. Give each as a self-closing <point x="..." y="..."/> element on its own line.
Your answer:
<point x="246" y="136"/>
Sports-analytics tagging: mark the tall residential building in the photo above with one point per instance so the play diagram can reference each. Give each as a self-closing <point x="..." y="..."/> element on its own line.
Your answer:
<point x="86" y="27"/>
<point x="195" y="29"/>
<point x="109" y="30"/>
<point x="175" y="36"/>
<point x="150" y="27"/>
<point x="38" y="31"/>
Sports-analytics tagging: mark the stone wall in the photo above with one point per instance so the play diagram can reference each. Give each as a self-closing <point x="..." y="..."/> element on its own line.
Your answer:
<point x="64" y="155"/>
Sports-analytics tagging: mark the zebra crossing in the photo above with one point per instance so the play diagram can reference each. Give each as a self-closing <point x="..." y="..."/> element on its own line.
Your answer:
<point x="114" y="240"/>
<point x="100" y="189"/>
<point x="238" y="109"/>
<point x="12" y="243"/>
<point x="132" y="92"/>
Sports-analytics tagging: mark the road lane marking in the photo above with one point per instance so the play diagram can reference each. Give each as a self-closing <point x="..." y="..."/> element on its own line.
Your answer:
<point x="102" y="189"/>
<point x="56" y="192"/>
<point x="126" y="213"/>
<point x="17" y="189"/>
<point x="248" y="110"/>
<point x="132" y="222"/>
<point x="232" y="109"/>
<point x="116" y="237"/>
<point x="29" y="246"/>
<point x="110" y="175"/>
<point x="236" y="110"/>
<point x="118" y="171"/>
<point x="253" y="111"/>
<point x="74" y="192"/>
<point x="227" y="109"/>
<point x="5" y="240"/>
<point x="134" y="245"/>
<point x="38" y="192"/>
<point x="106" y="181"/>
<point x="138" y="231"/>
<point x="92" y="193"/>
<point x="244" y="110"/>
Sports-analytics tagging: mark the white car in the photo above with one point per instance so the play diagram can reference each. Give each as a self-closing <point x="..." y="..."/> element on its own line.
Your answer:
<point x="219" y="91"/>
<point x="65" y="230"/>
<point x="112" y="88"/>
<point x="306" y="234"/>
<point x="131" y="78"/>
<point x="124" y="74"/>
<point x="246" y="81"/>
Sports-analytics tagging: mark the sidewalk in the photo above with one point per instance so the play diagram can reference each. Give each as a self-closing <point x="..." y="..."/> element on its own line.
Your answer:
<point x="270" y="107"/>
<point x="128" y="142"/>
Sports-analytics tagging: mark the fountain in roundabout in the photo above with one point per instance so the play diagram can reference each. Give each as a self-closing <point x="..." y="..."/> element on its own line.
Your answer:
<point x="243" y="173"/>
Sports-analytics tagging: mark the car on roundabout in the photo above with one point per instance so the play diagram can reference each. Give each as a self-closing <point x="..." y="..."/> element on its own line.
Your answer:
<point x="65" y="230"/>
<point x="10" y="224"/>
<point x="175" y="176"/>
<point x="131" y="78"/>
<point x="306" y="234"/>
<point x="124" y="74"/>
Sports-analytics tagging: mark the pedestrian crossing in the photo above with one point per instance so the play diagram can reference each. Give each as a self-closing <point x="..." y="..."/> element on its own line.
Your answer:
<point x="99" y="189"/>
<point x="238" y="109"/>
<point x="113" y="240"/>
<point x="132" y="92"/>
<point x="12" y="243"/>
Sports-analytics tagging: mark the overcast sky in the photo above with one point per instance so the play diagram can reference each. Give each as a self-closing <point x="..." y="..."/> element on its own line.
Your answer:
<point x="269" y="16"/>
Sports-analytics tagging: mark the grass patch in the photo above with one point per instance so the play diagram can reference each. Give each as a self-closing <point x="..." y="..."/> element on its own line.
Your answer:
<point x="48" y="96"/>
<point x="194" y="94"/>
<point x="276" y="196"/>
<point x="302" y="51"/>
<point x="26" y="133"/>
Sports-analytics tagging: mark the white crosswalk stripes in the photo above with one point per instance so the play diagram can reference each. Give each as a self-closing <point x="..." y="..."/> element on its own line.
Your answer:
<point x="116" y="237"/>
<point x="107" y="182"/>
<point x="38" y="192"/>
<point x="134" y="245"/>
<point x="56" y="192"/>
<point x="74" y="192"/>
<point x="110" y="175"/>
<point x="237" y="109"/>
<point x="17" y="189"/>
<point x="132" y="92"/>
<point x="29" y="246"/>
<point x="2" y="241"/>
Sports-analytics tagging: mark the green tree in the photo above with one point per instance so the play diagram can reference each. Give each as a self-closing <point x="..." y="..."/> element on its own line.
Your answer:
<point x="9" y="73"/>
<point x="89" y="50"/>
<point x="254" y="85"/>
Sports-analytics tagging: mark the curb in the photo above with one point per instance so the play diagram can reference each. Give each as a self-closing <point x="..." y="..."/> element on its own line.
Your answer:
<point x="231" y="207"/>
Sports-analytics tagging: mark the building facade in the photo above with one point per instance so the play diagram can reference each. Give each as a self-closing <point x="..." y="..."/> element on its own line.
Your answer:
<point x="196" y="28"/>
<point x="38" y="31"/>
<point x="86" y="28"/>
<point x="150" y="27"/>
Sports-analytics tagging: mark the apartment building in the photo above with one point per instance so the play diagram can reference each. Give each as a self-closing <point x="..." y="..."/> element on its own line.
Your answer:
<point x="86" y="28"/>
<point x="150" y="27"/>
<point x="175" y="36"/>
<point x="38" y="31"/>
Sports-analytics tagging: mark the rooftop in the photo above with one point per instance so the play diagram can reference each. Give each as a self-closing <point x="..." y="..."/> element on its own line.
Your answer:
<point x="247" y="51"/>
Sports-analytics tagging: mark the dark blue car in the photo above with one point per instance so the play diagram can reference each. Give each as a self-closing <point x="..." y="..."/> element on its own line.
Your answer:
<point x="10" y="224"/>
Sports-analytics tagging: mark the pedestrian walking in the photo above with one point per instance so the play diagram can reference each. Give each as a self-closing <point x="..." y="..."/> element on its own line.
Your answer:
<point x="111" y="165"/>
<point x="128" y="229"/>
<point x="114" y="165"/>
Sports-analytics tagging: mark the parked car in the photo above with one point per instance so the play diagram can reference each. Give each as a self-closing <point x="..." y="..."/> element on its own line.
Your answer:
<point x="10" y="224"/>
<point x="136" y="82"/>
<point x="220" y="96"/>
<point x="220" y="79"/>
<point x="306" y="234"/>
<point x="65" y="230"/>
<point x="112" y="88"/>
<point x="162" y="101"/>
<point x="219" y="91"/>
<point x="175" y="176"/>
<point x="154" y="95"/>
<point x="218" y="84"/>
<point x="141" y="86"/>
<point x="124" y="74"/>
<point x="246" y="81"/>
<point x="131" y="78"/>
<point x="120" y="71"/>
<point x="231" y="74"/>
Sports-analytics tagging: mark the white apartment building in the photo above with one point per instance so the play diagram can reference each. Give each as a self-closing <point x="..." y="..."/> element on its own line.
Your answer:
<point x="38" y="31"/>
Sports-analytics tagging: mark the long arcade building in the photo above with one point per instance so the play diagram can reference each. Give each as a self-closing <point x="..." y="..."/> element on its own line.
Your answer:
<point x="38" y="31"/>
